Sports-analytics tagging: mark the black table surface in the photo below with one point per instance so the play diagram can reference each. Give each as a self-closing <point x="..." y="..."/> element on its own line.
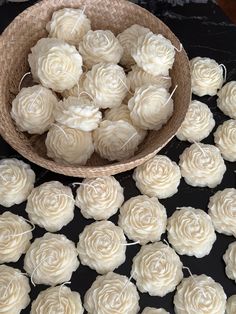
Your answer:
<point x="204" y="31"/>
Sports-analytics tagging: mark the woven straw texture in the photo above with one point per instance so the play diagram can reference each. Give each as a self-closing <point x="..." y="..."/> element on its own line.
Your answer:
<point x="116" y="15"/>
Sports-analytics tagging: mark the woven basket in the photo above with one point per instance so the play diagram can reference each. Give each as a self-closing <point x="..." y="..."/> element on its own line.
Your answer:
<point x="116" y="15"/>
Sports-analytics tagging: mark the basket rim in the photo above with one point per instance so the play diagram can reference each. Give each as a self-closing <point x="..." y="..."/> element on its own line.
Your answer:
<point x="87" y="171"/>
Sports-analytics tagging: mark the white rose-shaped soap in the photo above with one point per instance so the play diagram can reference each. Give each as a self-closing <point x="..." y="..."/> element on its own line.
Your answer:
<point x="32" y="109"/>
<point x="225" y="139"/>
<point x="102" y="246"/>
<point x="100" y="46"/>
<point x="51" y="206"/>
<point x="152" y="310"/>
<point x="57" y="300"/>
<point x="231" y="305"/>
<point x="138" y="77"/>
<point x="16" y="181"/>
<point x="153" y="53"/>
<point x="51" y="259"/>
<point x="222" y="209"/>
<point x="143" y="219"/>
<point x="69" y="25"/>
<point x="78" y="113"/>
<point x="55" y="64"/>
<point x="227" y="99"/>
<point x="198" y="123"/>
<point x="150" y="107"/>
<point x="128" y="40"/>
<point x="230" y="261"/>
<point x="206" y="76"/>
<point x="99" y="198"/>
<point x="112" y="294"/>
<point x="116" y="140"/>
<point x="157" y="269"/>
<point x="14" y="290"/>
<point x="200" y="295"/>
<point x="77" y="89"/>
<point x="69" y="146"/>
<point x="191" y="232"/>
<point x="106" y="84"/>
<point x="202" y="165"/>
<point x="15" y="236"/>
<point x="159" y="176"/>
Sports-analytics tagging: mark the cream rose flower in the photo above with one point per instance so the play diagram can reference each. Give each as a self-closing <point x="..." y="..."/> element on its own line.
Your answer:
<point x="150" y="107"/>
<point x="201" y="295"/>
<point x="191" y="232"/>
<point x="57" y="300"/>
<point x="227" y="99"/>
<point x="32" y="109"/>
<point x="76" y="90"/>
<point x="138" y="77"/>
<point x="225" y="139"/>
<point x="102" y="246"/>
<point x="198" y="123"/>
<point x="51" y="205"/>
<point x="78" y="113"/>
<point x="152" y="310"/>
<point x="202" y="165"/>
<point x="231" y="305"/>
<point x="100" y="46"/>
<point x="230" y="261"/>
<point x="206" y="76"/>
<point x="112" y="294"/>
<point x="128" y="40"/>
<point x="159" y="176"/>
<point x="14" y="290"/>
<point x="157" y="269"/>
<point x="222" y="209"/>
<point x="51" y="259"/>
<point x="69" y="146"/>
<point x="15" y="236"/>
<point x="155" y="54"/>
<point x="69" y="25"/>
<point x="143" y="219"/>
<point x="106" y="84"/>
<point x="55" y="64"/>
<point x="116" y="140"/>
<point x="99" y="198"/>
<point x="16" y="181"/>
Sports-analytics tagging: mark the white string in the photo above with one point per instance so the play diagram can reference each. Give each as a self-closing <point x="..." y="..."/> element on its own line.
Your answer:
<point x="125" y="86"/>
<point x="166" y="77"/>
<point x="171" y="95"/>
<point x="78" y="20"/>
<point x="59" y="294"/>
<point x="180" y="48"/>
<point x="23" y="77"/>
<point x="59" y="127"/>
<point x="224" y="70"/>
<point x="201" y="149"/>
<point x="33" y="102"/>
<point x="84" y="184"/>
<point x="131" y="137"/>
<point x="129" y="244"/>
<point x="125" y="286"/>
<point x="3" y="178"/>
<point x="84" y="92"/>
<point x="32" y="275"/>
<point x="64" y="194"/>
<point x="11" y="281"/>
<point x="107" y="39"/>
<point x="191" y="275"/>
<point x="22" y="233"/>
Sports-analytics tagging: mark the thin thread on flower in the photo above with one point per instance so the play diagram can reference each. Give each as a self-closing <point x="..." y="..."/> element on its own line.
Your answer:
<point x="90" y="96"/>
<point x="59" y="293"/>
<point x="78" y="20"/>
<point x="61" y="129"/>
<point x="33" y="272"/>
<point x="130" y="244"/>
<point x="180" y="48"/>
<point x="22" y="233"/>
<point x="3" y="178"/>
<point x="22" y="79"/>
<point x="166" y="77"/>
<point x="107" y="39"/>
<point x="201" y="149"/>
<point x="125" y="286"/>
<point x="224" y="70"/>
<point x="125" y="85"/>
<point x="131" y="137"/>
<point x="11" y="281"/>
<point x="172" y="93"/>
<point x="64" y="194"/>
<point x="84" y="184"/>
<point x="191" y="275"/>
<point x="34" y="100"/>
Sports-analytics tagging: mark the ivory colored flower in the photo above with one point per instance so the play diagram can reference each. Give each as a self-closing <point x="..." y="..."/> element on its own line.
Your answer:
<point x="32" y="109"/>
<point x="16" y="181"/>
<point x="15" y="236"/>
<point x="150" y="107"/>
<point x="100" y="46"/>
<point x="193" y="290"/>
<point x="230" y="261"/>
<point x="152" y="310"/>
<point x="202" y="165"/>
<point x="55" y="64"/>
<point x="99" y="198"/>
<point x="51" y="259"/>
<point x="77" y="90"/>
<point x="69" y="25"/>
<point x="69" y="146"/>
<point x="206" y="76"/>
<point x="227" y="99"/>
<point x="108" y="296"/>
<point x="231" y="305"/>
<point x="155" y="54"/>
<point x="14" y="290"/>
<point x="51" y="205"/>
